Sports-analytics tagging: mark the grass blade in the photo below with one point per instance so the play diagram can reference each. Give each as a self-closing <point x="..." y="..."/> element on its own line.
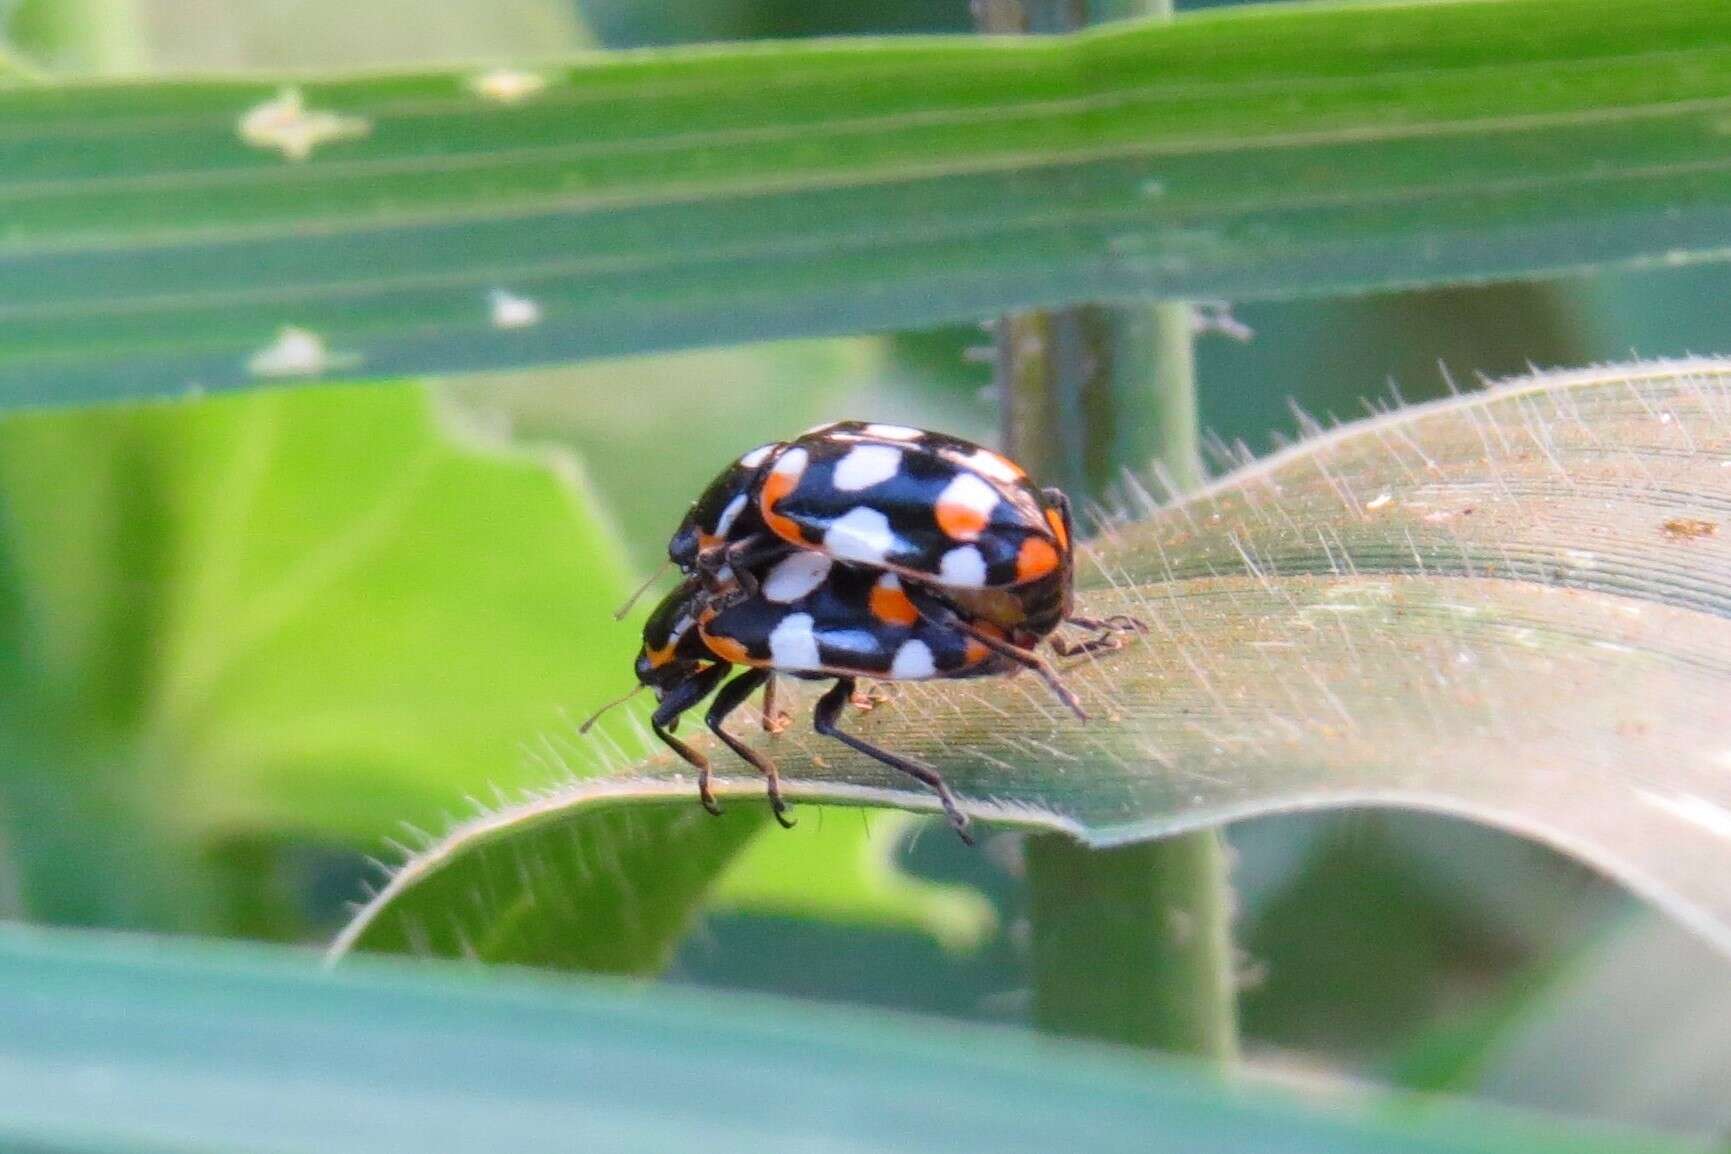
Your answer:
<point x="113" y="1046"/>
<point x="451" y="221"/>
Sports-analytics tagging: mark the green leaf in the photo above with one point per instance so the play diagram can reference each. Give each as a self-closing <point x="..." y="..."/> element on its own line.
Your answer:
<point x="846" y="873"/>
<point x="330" y="34"/>
<point x="312" y="615"/>
<point x="471" y="218"/>
<point x="114" y="1046"/>
<point x="1514" y="606"/>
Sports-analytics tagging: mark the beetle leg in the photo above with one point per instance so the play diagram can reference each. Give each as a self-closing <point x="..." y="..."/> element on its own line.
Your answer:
<point x="1109" y="634"/>
<point x="934" y="610"/>
<point x="824" y="720"/>
<point x="867" y="699"/>
<point x="1117" y="623"/>
<point x="740" y="558"/>
<point x="680" y="698"/>
<point x="774" y="721"/>
<point x="732" y="696"/>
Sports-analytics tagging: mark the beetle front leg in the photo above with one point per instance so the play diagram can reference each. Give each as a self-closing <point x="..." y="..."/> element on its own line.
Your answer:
<point x="680" y="698"/>
<point x="739" y="558"/>
<point x="732" y="696"/>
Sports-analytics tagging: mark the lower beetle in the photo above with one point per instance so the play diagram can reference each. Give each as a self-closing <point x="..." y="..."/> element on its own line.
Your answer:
<point x="814" y="618"/>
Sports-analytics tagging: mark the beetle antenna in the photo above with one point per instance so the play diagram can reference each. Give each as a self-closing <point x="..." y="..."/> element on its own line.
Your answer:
<point x="620" y="700"/>
<point x="619" y="613"/>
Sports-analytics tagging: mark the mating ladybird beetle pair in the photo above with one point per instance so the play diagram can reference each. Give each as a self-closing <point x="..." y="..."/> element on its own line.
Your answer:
<point x="861" y="550"/>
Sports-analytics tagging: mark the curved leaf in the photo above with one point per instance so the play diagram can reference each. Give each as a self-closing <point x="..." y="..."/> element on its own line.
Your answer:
<point x="1514" y="606"/>
<point x="160" y="236"/>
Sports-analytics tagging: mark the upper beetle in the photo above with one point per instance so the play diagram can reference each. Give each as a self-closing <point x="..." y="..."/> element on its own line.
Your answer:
<point x="925" y="505"/>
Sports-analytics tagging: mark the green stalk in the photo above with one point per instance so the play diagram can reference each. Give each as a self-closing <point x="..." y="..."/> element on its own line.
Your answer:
<point x="1130" y="945"/>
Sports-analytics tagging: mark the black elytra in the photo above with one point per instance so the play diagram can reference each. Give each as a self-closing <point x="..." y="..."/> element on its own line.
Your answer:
<point x="862" y="550"/>
<point x="925" y="505"/>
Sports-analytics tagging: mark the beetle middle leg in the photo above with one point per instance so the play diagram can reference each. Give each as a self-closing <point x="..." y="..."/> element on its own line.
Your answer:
<point x="825" y="719"/>
<point x="680" y="698"/>
<point x="774" y="721"/>
<point x="732" y="696"/>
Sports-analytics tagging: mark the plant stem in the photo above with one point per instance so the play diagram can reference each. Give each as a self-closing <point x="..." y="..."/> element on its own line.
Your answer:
<point x="1131" y="944"/>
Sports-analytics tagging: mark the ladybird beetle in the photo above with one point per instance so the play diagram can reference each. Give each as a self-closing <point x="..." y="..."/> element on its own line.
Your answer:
<point x="928" y="506"/>
<point x="861" y="550"/>
<point x="814" y="619"/>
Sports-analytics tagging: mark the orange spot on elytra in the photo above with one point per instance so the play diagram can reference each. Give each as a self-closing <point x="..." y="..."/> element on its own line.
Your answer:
<point x="891" y="606"/>
<point x="1035" y="559"/>
<point x="1056" y="521"/>
<point x="728" y="650"/>
<point x="975" y="653"/>
<point x="659" y="657"/>
<point x="776" y="486"/>
<point x="960" y="522"/>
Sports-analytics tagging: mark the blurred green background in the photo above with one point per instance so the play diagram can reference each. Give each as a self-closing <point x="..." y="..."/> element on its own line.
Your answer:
<point x="276" y="649"/>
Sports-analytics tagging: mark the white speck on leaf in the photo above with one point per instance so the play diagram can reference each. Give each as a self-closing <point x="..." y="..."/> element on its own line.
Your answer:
<point x="513" y="312"/>
<point x="288" y="126"/>
<point x="507" y="85"/>
<point x="296" y="352"/>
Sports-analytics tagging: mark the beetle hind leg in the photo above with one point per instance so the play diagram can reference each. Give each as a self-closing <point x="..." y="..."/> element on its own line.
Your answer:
<point x="1109" y="633"/>
<point x="934" y="610"/>
<point x="825" y="719"/>
<point x="732" y="696"/>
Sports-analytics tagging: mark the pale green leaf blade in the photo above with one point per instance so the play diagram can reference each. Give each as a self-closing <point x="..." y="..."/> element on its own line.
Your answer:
<point x="1515" y="606"/>
<point x="448" y="221"/>
<point x="312" y="615"/>
<point x="108" y="1045"/>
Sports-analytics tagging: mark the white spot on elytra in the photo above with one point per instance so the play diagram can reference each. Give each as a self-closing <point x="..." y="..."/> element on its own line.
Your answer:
<point x="792" y="463"/>
<point x="894" y="432"/>
<point x="964" y="568"/>
<point x="513" y="312"/>
<point x="849" y="640"/>
<point x="866" y="466"/>
<point x="791" y="644"/>
<point x="860" y="534"/>
<point x="992" y="465"/>
<point x="757" y="456"/>
<point x="506" y="85"/>
<point x="729" y="515"/>
<point x="913" y="661"/>
<point x="296" y="352"/>
<point x="967" y="491"/>
<point x="287" y="125"/>
<point x="795" y="576"/>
